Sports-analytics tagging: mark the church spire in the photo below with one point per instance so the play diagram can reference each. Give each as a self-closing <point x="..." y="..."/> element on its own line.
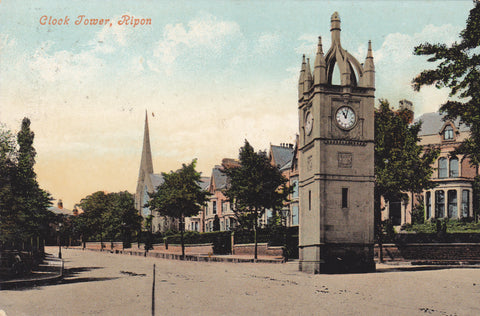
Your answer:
<point x="146" y="164"/>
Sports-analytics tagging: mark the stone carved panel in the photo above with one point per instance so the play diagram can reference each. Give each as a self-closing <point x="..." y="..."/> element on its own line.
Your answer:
<point x="309" y="163"/>
<point x="345" y="160"/>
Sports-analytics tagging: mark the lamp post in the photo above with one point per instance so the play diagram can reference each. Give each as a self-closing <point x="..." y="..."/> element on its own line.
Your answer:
<point x="59" y="240"/>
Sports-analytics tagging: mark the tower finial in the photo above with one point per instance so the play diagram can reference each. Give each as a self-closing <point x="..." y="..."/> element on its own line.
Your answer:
<point x="335" y="28"/>
<point x="369" y="68"/>
<point x="301" y="79"/>
<point x="370" y="53"/>
<point x="320" y="46"/>
<point x="308" y="77"/>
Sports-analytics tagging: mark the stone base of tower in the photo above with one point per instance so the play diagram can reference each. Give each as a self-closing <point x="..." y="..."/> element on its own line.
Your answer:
<point x="337" y="258"/>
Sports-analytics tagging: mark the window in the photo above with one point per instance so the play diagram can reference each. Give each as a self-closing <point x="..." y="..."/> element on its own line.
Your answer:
<point x="439" y="204"/>
<point x="295" y="188"/>
<point x="442" y="167"/>
<point x="295" y="215"/>
<point x="465" y="203"/>
<point x="344" y="197"/>
<point x="452" y="204"/>
<point x="448" y="133"/>
<point x="429" y="204"/>
<point x="454" y="167"/>
<point x="214" y="207"/>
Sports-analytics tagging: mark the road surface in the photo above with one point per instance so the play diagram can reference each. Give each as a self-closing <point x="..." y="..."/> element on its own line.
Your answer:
<point x="109" y="284"/>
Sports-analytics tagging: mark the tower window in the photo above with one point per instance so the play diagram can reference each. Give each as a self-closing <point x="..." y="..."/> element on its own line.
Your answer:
<point x="344" y="197"/>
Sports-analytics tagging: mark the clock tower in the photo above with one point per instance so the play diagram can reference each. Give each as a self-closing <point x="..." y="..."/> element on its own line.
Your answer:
<point x="336" y="160"/>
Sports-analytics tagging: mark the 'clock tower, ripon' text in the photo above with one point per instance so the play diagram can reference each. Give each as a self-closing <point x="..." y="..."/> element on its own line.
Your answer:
<point x="336" y="160"/>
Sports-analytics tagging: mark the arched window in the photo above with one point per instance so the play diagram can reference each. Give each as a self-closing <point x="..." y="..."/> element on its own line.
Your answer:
<point x="448" y="133"/>
<point x="442" y="168"/>
<point x="336" y="76"/>
<point x="454" y="167"/>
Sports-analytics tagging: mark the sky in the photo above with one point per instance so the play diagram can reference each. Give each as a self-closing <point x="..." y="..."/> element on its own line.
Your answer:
<point x="209" y="74"/>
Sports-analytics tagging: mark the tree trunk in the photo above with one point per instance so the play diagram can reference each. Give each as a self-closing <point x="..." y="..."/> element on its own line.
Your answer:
<point x="181" y="236"/>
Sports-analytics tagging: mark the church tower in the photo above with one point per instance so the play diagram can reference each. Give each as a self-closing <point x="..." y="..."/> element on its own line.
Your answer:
<point x="336" y="160"/>
<point x="146" y="169"/>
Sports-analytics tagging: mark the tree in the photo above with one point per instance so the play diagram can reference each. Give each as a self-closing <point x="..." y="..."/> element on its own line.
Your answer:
<point x="458" y="69"/>
<point x="8" y="218"/>
<point x="180" y="196"/>
<point x="34" y="201"/>
<point x="24" y="214"/>
<point x="255" y="186"/>
<point x="112" y="216"/>
<point x="401" y="164"/>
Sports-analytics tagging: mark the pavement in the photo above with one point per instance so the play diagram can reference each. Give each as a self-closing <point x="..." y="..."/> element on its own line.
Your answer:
<point x="172" y="255"/>
<point x="51" y="270"/>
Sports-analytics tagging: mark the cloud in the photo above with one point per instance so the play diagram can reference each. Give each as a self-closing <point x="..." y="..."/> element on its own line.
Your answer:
<point x="266" y="43"/>
<point x="396" y="66"/>
<point x="207" y="34"/>
<point x="64" y="66"/>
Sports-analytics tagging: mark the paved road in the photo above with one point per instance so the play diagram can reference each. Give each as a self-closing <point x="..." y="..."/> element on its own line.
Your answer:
<point x="108" y="284"/>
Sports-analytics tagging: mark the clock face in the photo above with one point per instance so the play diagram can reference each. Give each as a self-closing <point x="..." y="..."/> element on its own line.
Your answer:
<point x="346" y="117"/>
<point x="309" y="123"/>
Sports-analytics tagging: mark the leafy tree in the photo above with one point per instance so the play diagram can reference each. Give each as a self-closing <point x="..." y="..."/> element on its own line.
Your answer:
<point x="180" y="196"/>
<point x="24" y="214"/>
<point x="112" y="216"/>
<point x="254" y="187"/>
<point x="8" y="218"/>
<point x="401" y="164"/>
<point x="458" y="69"/>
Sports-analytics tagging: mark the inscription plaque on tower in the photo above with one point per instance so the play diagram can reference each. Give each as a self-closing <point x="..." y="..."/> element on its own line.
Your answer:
<point x="336" y="160"/>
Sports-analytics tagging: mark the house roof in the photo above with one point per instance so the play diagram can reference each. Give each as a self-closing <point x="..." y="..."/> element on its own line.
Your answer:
<point x="432" y="124"/>
<point x="282" y="155"/>
<point x="156" y="179"/>
<point x="204" y="183"/>
<point x="58" y="210"/>
<point x="219" y="178"/>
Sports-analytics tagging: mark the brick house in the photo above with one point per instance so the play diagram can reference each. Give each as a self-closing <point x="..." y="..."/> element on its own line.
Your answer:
<point x="454" y="175"/>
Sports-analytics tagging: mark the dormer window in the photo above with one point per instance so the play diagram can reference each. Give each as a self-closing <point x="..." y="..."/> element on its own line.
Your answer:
<point x="448" y="133"/>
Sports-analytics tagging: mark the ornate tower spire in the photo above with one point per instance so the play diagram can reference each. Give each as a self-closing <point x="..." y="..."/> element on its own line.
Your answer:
<point x="319" y="71"/>
<point x="308" y="77"/>
<point x="369" y="68"/>
<point x="146" y="164"/>
<point x="301" y="79"/>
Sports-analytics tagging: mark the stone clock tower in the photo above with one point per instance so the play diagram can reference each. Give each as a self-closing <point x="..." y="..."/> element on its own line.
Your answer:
<point x="336" y="160"/>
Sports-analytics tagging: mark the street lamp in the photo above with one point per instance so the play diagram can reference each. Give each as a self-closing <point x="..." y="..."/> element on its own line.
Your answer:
<point x="59" y="240"/>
